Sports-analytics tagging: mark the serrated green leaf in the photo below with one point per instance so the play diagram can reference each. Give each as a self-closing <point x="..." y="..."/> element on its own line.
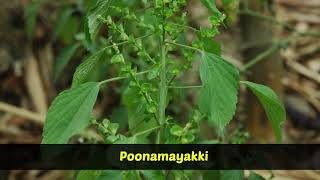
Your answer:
<point x="85" y="69"/>
<point x="31" y="16"/>
<point x="232" y="174"/>
<point x="110" y="174"/>
<point x="208" y="45"/>
<point x="63" y="59"/>
<point x="99" y="9"/>
<point x="271" y="104"/>
<point x="218" y="96"/>
<point x="70" y="113"/>
<point x="211" y="46"/>
<point x="61" y="22"/>
<point x="255" y="176"/>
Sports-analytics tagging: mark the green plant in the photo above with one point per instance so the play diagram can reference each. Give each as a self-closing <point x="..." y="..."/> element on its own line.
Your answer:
<point x="149" y="50"/>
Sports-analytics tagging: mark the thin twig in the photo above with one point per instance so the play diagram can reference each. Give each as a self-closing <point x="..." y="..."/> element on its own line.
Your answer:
<point x="303" y="70"/>
<point x="32" y="116"/>
<point x="124" y="42"/>
<point x="185" y="26"/>
<point x="121" y="77"/>
<point x="184" y="46"/>
<point x="146" y="131"/>
<point x="184" y="87"/>
<point x="261" y="57"/>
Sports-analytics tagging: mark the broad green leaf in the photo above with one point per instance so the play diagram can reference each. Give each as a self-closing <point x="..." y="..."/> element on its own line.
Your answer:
<point x="84" y="5"/>
<point x="63" y="59"/>
<point x="31" y="16"/>
<point x="70" y="113"/>
<point x="232" y="174"/>
<point x="271" y="104"/>
<point x="211" y="5"/>
<point x="218" y="96"/>
<point x="85" y="69"/>
<point x="88" y="174"/>
<point x="110" y="175"/>
<point x="211" y="46"/>
<point x="208" y="45"/>
<point x="255" y="176"/>
<point x="100" y="9"/>
<point x="62" y="21"/>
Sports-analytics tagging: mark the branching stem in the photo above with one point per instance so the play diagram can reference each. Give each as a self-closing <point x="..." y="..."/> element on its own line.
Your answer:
<point x="125" y="42"/>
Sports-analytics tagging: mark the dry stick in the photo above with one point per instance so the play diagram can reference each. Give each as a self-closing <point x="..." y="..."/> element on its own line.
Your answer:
<point x="35" y="117"/>
<point x="303" y="70"/>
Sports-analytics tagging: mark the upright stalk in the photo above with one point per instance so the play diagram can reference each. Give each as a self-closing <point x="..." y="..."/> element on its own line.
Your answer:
<point x="163" y="89"/>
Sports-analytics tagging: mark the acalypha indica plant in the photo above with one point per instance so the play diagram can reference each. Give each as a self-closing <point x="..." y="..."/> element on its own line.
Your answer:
<point x="146" y="42"/>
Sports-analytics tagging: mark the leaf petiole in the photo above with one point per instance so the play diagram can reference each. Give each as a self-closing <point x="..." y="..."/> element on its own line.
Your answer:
<point x="146" y="131"/>
<point x="185" y="46"/>
<point x="121" y="77"/>
<point x="185" y="87"/>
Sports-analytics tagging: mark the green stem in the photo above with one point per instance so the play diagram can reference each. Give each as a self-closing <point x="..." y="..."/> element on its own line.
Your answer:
<point x="185" y="46"/>
<point x="145" y="95"/>
<point x="185" y="26"/>
<point x="261" y="57"/>
<point x="146" y="131"/>
<point x="120" y="77"/>
<point x="125" y="42"/>
<point x="163" y="90"/>
<point x="184" y="87"/>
